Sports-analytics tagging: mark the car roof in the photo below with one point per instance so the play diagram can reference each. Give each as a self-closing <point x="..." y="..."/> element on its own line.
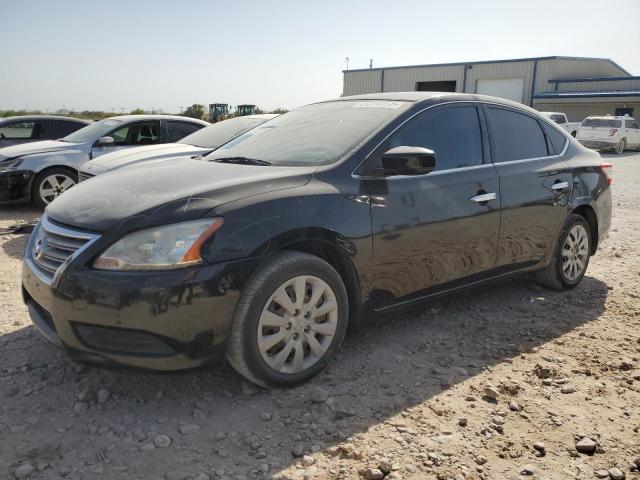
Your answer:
<point x="436" y="97"/>
<point x="46" y="117"/>
<point x="262" y="116"/>
<point x="130" y="118"/>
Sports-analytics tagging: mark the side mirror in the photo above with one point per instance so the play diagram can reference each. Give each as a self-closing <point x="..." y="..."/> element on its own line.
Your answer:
<point x="408" y="161"/>
<point x="105" y="141"/>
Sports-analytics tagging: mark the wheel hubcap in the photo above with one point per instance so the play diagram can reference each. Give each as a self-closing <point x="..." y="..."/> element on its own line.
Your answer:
<point x="53" y="186"/>
<point x="575" y="252"/>
<point x="297" y="324"/>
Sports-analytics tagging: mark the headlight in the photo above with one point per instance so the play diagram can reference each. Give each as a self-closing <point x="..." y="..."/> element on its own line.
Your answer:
<point x="10" y="164"/>
<point x="159" y="248"/>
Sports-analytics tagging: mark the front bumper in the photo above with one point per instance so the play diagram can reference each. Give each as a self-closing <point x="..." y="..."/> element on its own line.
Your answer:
<point x="15" y="186"/>
<point x="598" y="144"/>
<point x="171" y="320"/>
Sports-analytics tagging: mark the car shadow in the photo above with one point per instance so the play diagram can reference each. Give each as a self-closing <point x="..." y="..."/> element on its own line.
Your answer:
<point x="216" y="420"/>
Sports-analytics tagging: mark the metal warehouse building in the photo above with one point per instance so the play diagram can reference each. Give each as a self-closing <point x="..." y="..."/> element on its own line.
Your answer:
<point x="577" y="86"/>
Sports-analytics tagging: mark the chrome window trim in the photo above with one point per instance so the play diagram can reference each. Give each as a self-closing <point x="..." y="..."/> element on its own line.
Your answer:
<point x="44" y="222"/>
<point x="458" y="102"/>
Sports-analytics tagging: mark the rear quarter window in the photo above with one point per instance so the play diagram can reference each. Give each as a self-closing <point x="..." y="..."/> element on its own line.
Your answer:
<point x="556" y="140"/>
<point x="515" y="136"/>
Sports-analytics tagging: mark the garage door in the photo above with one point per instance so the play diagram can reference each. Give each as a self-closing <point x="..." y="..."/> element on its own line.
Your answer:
<point x="509" y="88"/>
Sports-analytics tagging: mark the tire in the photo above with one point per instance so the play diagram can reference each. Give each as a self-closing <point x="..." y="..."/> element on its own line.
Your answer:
<point x="621" y="147"/>
<point x="259" y="320"/>
<point x="57" y="180"/>
<point x="556" y="275"/>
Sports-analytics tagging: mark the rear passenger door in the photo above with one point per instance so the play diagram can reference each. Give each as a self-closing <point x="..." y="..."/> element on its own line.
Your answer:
<point x="535" y="184"/>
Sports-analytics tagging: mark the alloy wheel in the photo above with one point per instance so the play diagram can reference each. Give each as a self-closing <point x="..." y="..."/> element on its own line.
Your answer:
<point x="53" y="186"/>
<point x="575" y="252"/>
<point x="297" y="324"/>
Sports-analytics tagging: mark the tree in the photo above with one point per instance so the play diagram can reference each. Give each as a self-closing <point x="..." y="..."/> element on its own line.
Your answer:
<point x="137" y="111"/>
<point x="194" y="111"/>
<point x="279" y="111"/>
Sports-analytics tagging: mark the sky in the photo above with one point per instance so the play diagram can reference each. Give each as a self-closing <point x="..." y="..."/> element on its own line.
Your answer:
<point x="166" y="54"/>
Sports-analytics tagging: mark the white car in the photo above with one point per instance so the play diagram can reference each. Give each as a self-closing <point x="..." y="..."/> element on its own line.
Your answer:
<point x="561" y="119"/>
<point x="609" y="133"/>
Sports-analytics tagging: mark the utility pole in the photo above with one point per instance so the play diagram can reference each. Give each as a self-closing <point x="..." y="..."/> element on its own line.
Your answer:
<point x="347" y="60"/>
<point x="370" y="63"/>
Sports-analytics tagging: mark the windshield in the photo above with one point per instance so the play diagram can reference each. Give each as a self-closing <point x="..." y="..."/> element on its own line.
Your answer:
<point x="221" y="132"/>
<point x="601" y="122"/>
<point x="317" y="134"/>
<point x="92" y="132"/>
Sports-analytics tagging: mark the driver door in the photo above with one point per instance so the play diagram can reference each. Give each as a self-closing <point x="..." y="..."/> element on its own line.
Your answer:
<point x="429" y="230"/>
<point x="130" y="135"/>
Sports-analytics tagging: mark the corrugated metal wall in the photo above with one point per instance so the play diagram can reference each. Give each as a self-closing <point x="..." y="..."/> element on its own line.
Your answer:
<point x="578" y="111"/>
<point x="562" y="68"/>
<point x="405" y="79"/>
<point x="361" y="81"/>
<point x="606" y="85"/>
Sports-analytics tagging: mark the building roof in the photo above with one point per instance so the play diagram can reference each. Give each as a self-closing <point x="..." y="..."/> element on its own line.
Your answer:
<point x="529" y="59"/>
<point x="593" y="79"/>
<point x="598" y="94"/>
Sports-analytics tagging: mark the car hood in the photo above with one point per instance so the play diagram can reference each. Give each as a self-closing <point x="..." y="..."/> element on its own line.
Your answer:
<point x="44" y="146"/>
<point x="131" y="156"/>
<point x="134" y="198"/>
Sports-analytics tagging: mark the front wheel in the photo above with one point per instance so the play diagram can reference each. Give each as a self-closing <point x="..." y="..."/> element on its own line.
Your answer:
<point x="289" y="322"/>
<point x="571" y="256"/>
<point x="50" y="184"/>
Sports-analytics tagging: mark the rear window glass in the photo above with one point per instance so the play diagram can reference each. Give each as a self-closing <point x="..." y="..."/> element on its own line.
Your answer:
<point x="557" y="118"/>
<point x="602" y="123"/>
<point x="516" y="136"/>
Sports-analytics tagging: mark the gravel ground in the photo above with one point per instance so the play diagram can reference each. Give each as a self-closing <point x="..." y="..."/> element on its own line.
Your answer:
<point x="511" y="381"/>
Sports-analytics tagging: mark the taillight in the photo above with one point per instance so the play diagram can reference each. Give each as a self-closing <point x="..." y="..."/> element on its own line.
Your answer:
<point x="606" y="168"/>
<point x="612" y="132"/>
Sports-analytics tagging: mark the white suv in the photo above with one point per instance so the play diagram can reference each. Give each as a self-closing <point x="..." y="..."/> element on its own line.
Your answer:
<point x="615" y="133"/>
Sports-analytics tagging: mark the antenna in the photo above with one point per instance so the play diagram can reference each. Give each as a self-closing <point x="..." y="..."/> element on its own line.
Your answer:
<point x="347" y="60"/>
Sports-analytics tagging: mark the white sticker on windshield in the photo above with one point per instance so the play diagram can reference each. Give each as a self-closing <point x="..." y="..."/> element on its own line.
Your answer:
<point x="378" y="104"/>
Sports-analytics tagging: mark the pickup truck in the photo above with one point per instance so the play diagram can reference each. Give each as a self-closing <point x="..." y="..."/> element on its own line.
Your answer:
<point x="561" y="120"/>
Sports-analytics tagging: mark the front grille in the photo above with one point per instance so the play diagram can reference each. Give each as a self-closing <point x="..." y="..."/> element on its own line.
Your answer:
<point x="52" y="247"/>
<point x="82" y="176"/>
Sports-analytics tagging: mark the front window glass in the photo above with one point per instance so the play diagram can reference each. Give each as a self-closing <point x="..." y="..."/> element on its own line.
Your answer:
<point x="452" y="133"/>
<point x="318" y="134"/>
<point x="93" y="132"/>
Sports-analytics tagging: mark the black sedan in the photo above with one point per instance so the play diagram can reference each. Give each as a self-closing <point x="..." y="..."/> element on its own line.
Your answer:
<point x="268" y="248"/>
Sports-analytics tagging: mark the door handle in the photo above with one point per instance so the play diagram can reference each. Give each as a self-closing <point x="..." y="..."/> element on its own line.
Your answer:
<point x="560" y="186"/>
<point x="483" y="197"/>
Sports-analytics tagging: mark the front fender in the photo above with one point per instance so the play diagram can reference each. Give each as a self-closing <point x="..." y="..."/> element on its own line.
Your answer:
<point x="38" y="162"/>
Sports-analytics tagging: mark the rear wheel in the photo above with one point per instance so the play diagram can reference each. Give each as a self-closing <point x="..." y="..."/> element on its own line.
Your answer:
<point x="571" y="256"/>
<point x="621" y="147"/>
<point x="289" y="321"/>
<point x="52" y="183"/>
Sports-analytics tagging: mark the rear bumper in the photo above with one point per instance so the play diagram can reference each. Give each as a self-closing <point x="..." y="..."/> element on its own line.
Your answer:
<point x="598" y="144"/>
<point x="15" y="186"/>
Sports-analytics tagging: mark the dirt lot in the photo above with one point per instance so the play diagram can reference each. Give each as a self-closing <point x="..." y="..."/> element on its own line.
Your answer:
<point x="407" y="396"/>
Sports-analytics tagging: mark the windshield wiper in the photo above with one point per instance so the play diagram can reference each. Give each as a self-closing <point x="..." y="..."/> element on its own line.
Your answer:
<point x="242" y="161"/>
